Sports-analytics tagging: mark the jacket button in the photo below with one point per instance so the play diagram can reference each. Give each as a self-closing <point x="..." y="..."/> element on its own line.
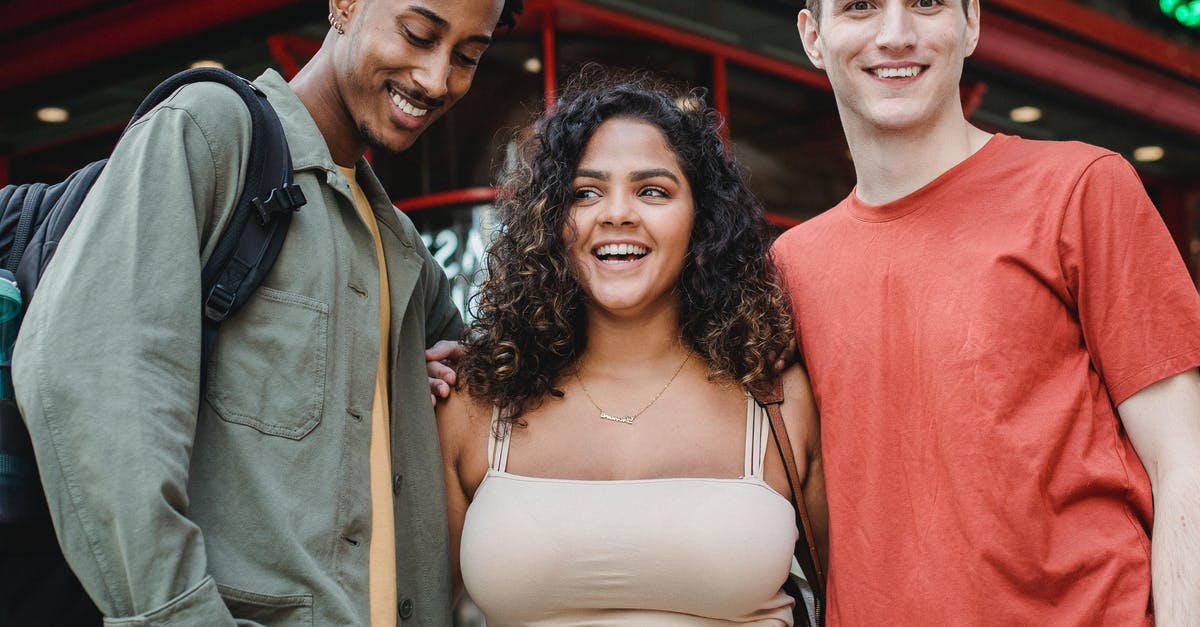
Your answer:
<point x="396" y="484"/>
<point x="406" y="609"/>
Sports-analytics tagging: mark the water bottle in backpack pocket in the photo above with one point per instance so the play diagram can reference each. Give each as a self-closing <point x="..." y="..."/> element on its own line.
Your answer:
<point x="20" y="491"/>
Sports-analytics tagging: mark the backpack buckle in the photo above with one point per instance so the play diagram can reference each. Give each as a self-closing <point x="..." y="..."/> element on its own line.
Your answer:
<point x="282" y="200"/>
<point x="219" y="303"/>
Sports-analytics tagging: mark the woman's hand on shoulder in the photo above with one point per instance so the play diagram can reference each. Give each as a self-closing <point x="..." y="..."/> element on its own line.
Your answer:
<point x="440" y="360"/>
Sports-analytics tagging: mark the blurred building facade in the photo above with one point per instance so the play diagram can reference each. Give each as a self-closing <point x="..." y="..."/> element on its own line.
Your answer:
<point x="1123" y="74"/>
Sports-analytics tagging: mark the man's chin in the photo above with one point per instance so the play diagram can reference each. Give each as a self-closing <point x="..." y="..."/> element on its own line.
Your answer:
<point x="397" y="144"/>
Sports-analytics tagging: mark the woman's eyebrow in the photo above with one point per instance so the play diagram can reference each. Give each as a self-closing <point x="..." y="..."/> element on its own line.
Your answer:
<point x="642" y="175"/>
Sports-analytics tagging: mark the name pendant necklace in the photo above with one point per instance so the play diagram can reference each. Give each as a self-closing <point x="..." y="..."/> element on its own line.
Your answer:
<point x="631" y="417"/>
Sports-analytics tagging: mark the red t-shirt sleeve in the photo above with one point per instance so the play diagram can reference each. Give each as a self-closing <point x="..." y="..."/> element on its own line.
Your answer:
<point x="1138" y="308"/>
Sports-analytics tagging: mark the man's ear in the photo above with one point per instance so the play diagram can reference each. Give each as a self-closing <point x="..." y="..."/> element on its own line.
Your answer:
<point x="972" y="27"/>
<point x="806" y="25"/>
<point x="342" y="9"/>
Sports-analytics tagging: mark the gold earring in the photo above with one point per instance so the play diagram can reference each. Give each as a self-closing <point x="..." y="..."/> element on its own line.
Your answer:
<point x="336" y="25"/>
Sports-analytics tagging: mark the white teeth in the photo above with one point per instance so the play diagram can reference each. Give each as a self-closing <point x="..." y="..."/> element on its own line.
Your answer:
<point x="621" y="249"/>
<point x="407" y="107"/>
<point x="897" y="72"/>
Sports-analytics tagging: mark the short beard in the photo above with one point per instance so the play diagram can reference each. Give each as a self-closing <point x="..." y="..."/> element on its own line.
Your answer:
<point x="375" y="143"/>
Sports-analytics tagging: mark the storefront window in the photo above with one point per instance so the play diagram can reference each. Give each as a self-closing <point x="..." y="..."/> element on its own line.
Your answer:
<point x="681" y="67"/>
<point x="457" y="238"/>
<point x="789" y="140"/>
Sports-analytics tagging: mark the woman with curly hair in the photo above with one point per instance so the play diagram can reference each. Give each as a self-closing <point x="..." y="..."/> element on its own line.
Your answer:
<point x="606" y="465"/>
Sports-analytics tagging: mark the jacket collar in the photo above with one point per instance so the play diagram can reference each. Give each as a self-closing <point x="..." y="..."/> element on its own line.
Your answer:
<point x="305" y="141"/>
<point x="309" y="150"/>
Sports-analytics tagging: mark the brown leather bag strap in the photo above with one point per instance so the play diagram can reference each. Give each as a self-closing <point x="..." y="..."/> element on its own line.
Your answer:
<point x="806" y="545"/>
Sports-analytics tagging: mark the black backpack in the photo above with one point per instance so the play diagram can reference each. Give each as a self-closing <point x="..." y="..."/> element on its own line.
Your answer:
<point x="36" y="587"/>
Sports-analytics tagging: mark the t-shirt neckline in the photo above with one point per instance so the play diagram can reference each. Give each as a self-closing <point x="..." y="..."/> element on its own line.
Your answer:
<point x="914" y="201"/>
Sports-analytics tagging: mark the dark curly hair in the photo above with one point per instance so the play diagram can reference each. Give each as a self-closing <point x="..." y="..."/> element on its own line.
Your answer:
<point x="529" y="327"/>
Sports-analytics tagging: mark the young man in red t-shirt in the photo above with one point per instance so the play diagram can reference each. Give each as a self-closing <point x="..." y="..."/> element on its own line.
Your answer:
<point x="1003" y="344"/>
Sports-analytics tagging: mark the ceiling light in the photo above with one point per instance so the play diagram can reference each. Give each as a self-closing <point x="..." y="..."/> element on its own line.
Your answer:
<point x="208" y="63"/>
<point x="53" y="115"/>
<point x="533" y="65"/>
<point x="1025" y="115"/>
<point x="1146" y="154"/>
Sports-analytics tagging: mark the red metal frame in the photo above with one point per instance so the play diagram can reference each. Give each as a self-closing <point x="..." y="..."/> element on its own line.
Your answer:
<point x="1027" y="51"/>
<point x="1006" y="43"/>
<point x="1099" y="71"/>
<point x="1108" y="31"/>
<point x="551" y="11"/>
<point x="1099" y="68"/>
<point x="720" y="83"/>
<point x="122" y="29"/>
<point x="478" y="195"/>
<point x="291" y="52"/>
<point x="635" y="26"/>
<point x="549" y="59"/>
<point x="786" y="222"/>
<point x="33" y="11"/>
<point x="471" y="195"/>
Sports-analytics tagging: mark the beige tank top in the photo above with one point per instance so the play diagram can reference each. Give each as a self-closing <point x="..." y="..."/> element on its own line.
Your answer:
<point x="686" y="551"/>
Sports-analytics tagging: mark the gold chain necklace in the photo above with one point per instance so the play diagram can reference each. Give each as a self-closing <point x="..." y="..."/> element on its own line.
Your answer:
<point x="630" y="418"/>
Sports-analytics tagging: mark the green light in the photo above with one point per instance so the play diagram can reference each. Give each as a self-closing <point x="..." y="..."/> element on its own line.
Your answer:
<point x="1186" y="12"/>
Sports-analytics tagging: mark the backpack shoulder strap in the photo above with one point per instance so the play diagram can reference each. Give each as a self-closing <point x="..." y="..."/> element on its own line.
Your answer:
<point x="248" y="247"/>
<point x="30" y="206"/>
<point x="806" y="545"/>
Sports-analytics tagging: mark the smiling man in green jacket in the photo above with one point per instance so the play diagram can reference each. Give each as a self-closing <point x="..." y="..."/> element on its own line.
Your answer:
<point x="305" y="487"/>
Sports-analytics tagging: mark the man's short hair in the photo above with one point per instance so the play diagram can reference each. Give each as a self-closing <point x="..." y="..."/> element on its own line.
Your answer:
<point x="508" y="15"/>
<point x="814" y="7"/>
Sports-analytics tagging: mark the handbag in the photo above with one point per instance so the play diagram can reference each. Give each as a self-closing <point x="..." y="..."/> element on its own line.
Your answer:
<point x="806" y="546"/>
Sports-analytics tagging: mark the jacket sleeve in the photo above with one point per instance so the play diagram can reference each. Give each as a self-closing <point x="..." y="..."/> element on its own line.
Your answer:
<point x="107" y="364"/>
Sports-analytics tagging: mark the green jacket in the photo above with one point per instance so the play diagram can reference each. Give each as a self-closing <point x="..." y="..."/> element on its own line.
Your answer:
<point x="254" y="507"/>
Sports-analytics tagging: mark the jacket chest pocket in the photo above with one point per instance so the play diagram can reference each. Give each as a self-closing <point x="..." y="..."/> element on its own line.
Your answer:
<point x="268" y="366"/>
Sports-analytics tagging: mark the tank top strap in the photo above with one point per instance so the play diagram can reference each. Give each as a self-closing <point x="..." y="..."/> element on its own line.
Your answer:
<point x="756" y="438"/>
<point x="498" y="445"/>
